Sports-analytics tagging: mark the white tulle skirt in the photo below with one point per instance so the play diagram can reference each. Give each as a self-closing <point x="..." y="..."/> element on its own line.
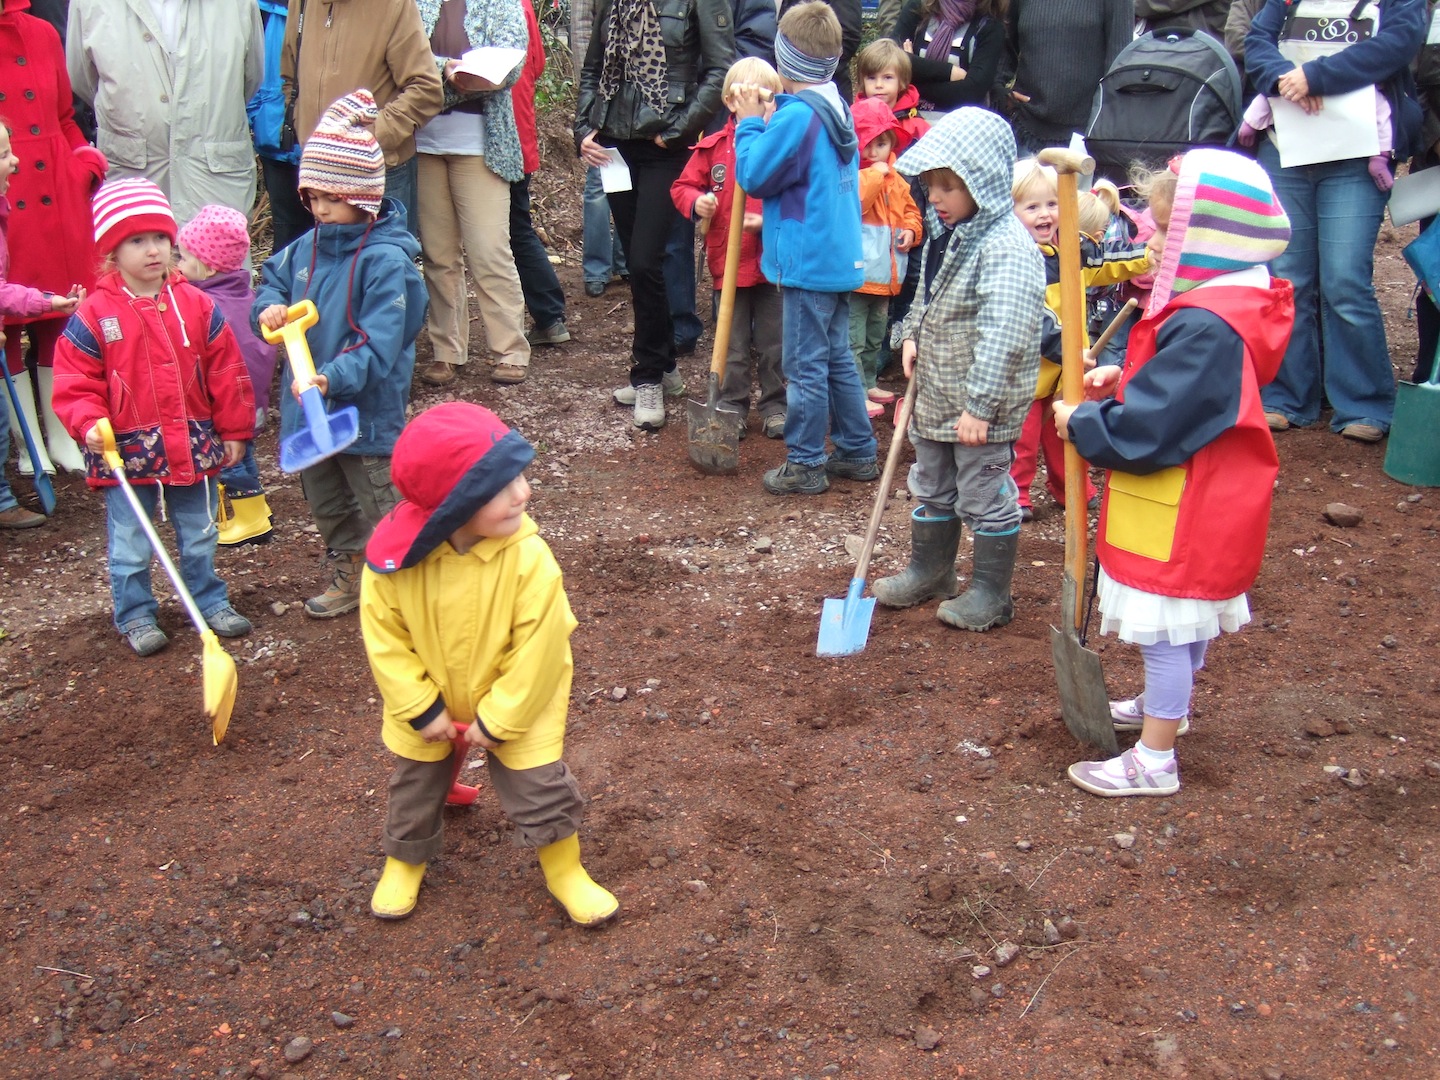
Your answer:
<point x="1143" y="618"/>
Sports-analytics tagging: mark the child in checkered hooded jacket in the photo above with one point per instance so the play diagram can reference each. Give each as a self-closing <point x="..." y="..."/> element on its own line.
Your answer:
<point x="973" y="342"/>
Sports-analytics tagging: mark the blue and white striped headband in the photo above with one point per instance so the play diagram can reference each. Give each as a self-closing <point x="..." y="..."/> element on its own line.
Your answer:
<point x="802" y="67"/>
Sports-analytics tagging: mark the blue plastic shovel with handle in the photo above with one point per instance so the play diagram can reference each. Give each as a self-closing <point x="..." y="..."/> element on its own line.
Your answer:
<point x="325" y="434"/>
<point x="44" y="489"/>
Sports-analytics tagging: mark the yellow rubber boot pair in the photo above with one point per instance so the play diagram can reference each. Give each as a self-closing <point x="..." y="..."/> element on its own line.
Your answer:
<point x="586" y="903"/>
<point x="397" y="890"/>
<point x="247" y="522"/>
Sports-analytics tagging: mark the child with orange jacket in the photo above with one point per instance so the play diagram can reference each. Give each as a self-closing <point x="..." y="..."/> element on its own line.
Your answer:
<point x="705" y="192"/>
<point x="890" y="227"/>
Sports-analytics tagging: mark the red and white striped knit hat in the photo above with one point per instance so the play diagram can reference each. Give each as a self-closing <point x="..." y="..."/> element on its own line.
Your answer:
<point x="342" y="157"/>
<point x="123" y="208"/>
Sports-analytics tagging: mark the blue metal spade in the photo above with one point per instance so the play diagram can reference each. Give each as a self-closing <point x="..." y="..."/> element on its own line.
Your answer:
<point x="44" y="489"/>
<point x="325" y="434"/>
<point x="845" y="624"/>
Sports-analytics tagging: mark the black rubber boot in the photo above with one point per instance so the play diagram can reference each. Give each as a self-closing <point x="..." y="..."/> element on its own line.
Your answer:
<point x="931" y="573"/>
<point x="986" y="602"/>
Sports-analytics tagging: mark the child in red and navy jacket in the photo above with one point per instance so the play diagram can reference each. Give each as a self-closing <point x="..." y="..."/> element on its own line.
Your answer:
<point x="152" y="354"/>
<point x="1182" y="434"/>
<point x="705" y="191"/>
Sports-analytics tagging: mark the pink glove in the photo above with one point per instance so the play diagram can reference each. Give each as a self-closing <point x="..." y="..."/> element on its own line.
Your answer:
<point x="1246" y="135"/>
<point x="1379" y="169"/>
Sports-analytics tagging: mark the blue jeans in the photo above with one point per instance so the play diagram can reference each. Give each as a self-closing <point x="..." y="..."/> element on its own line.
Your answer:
<point x="824" y="391"/>
<point x="603" y="253"/>
<point x="541" y="288"/>
<point x="191" y="509"/>
<point x="403" y="182"/>
<point x="1335" y="213"/>
<point x="243" y="480"/>
<point x="680" y="283"/>
<point x="7" y="497"/>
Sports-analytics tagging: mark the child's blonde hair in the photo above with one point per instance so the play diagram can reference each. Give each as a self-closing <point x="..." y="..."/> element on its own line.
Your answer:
<point x="1157" y="185"/>
<point x="753" y="71"/>
<point x="879" y="56"/>
<point x="812" y="28"/>
<point x="1030" y="175"/>
<point x="1097" y="206"/>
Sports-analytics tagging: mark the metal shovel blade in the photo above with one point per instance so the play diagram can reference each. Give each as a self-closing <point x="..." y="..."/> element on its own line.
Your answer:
<point x="1083" y="701"/>
<point x="324" y="435"/>
<point x="220" y="684"/>
<point x="714" y="435"/>
<point x="845" y="624"/>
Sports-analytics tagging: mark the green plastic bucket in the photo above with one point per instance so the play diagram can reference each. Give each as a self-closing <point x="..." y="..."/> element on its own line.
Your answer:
<point x="1413" y="453"/>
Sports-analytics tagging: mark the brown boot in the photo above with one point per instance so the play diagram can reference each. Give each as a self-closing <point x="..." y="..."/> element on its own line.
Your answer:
<point x="344" y="592"/>
<point x="17" y="517"/>
<point x="437" y="373"/>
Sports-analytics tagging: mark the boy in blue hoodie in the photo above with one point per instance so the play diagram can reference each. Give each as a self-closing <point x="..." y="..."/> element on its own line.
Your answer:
<point x="804" y="165"/>
<point x="358" y="266"/>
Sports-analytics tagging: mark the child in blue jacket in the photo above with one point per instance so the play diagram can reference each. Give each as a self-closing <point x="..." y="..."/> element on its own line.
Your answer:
<point x="358" y="266"/>
<point x="804" y="165"/>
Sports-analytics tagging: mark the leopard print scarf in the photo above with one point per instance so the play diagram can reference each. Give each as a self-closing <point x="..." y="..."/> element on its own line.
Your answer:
<point x="635" y="52"/>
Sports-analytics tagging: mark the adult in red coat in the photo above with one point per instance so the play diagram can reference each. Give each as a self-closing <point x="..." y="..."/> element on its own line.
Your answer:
<point x="52" y="241"/>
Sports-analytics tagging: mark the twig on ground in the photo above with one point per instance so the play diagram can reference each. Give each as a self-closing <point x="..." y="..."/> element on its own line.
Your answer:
<point x="885" y="857"/>
<point x="971" y="912"/>
<point x="1035" y="996"/>
<point x="532" y="1013"/>
<point x="616" y="307"/>
<point x="65" y="971"/>
<point x="303" y="756"/>
<point x="1043" y="869"/>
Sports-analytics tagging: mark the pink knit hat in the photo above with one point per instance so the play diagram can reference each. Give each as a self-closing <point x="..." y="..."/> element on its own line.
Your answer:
<point x="123" y="208"/>
<point x="219" y="236"/>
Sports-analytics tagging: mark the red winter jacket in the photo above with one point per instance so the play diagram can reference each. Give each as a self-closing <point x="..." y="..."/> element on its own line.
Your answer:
<point x="52" y="238"/>
<point x="907" y="115"/>
<point x="167" y="372"/>
<point x="711" y="170"/>
<point x="523" y="92"/>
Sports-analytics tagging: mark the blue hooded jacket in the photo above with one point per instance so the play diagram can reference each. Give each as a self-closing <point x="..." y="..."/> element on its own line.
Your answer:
<point x="805" y="165"/>
<point x="372" y="301"/>
<point x="267" y="107"/>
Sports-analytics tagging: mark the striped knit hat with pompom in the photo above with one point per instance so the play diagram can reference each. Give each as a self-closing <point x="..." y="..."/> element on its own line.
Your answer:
<point x="123" y="208"/>
<point x="1226" y="218"/>
<point x="342" y="157"/>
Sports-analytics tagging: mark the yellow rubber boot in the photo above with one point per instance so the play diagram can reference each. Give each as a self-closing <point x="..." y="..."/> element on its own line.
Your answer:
<point x="248" y="520"/>
<point x="587" y="903"/>
<point x="397" y="890"/>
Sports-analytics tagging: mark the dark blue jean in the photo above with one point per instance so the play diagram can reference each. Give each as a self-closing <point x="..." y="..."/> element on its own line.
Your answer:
<point x="604" y="255"/>
<point x="543" y="295"/>
<point x="824" y="391"/>
<point x="403" y="182"/>
<point x="680" y="283"/>
<point x="243" y="479"/>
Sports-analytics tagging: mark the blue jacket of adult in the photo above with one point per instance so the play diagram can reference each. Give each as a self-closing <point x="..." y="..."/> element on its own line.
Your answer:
<point x="1382" y="61"/>
<point x="804" y="165"/>
<point x="372" y="302"/>
<point x="267" y="108"/>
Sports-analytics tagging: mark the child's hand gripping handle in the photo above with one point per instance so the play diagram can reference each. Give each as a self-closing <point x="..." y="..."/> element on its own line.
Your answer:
<point x="109" y="452"/>
<point x="299" y="318"/>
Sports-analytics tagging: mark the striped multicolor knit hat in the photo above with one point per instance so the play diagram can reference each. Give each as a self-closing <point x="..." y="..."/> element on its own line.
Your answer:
<point x="342" y="157"/>
<point x="123" y="208"/>
<point x="1226" y="218"/>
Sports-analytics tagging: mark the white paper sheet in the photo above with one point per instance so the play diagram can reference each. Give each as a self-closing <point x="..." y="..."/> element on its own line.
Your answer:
<point x="1343" y="129"/>
<point x="490" y="62"/>
<point x="1415" y="195"/>
<point x="616" y="175"/>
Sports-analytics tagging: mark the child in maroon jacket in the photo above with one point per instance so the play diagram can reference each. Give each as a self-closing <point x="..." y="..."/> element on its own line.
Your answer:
<point x="705" y="191"/>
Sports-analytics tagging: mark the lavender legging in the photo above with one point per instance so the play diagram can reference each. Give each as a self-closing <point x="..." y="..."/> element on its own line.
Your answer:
<point x="1170" y="677"/>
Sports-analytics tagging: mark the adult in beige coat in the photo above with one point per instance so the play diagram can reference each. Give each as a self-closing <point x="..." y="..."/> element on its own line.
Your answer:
<point x="169" y="83"/>
<point x="335" y="46"/>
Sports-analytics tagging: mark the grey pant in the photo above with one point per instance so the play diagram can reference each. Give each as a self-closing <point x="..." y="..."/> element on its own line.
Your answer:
<point x="756" y="325"/>
<point x="544" y="803"/>
<point x="972" y="482"/>
<point x="348" y="495"/>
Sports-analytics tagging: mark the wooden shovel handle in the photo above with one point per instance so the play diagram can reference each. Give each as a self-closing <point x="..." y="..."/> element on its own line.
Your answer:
<point x="892" y="458"/>
<point x="1072" y="369"/>
<point x="726" y="315"/>
<point x="1065" y="161"/>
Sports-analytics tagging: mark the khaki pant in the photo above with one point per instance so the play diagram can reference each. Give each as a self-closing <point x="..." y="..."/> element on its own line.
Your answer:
<point x="348" y="495"/>
<point x="464" y="216"/>
<point x="544" y="803"/>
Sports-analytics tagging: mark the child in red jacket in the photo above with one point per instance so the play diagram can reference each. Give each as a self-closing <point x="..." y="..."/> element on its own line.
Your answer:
<point x="705" y="191"/>
<point x="151" y="353"/>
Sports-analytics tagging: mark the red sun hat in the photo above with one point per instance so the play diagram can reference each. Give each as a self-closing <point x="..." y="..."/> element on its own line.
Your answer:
<point x="874" y="118"/>
<point x="448" y="462"/>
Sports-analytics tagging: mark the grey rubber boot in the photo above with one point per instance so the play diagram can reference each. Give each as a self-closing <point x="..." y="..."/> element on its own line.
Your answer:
<point x="986" y="602"/>
<point x="931" y="573"/>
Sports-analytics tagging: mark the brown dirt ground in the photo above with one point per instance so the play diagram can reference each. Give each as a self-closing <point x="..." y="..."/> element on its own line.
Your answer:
<point x="824" y="866"/>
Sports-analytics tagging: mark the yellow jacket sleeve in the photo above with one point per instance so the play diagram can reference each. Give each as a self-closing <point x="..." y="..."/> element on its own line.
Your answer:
<point x="405" y="686"/>
<point x="538" y="658"/>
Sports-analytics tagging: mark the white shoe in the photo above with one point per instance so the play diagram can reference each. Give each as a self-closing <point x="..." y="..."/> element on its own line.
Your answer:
<point x="672" y="381"/>
<point x="62" y="448"/>
<point x="27" y="406"/>
<point x="1129" y="715"/>
<point x="649" y="407"/>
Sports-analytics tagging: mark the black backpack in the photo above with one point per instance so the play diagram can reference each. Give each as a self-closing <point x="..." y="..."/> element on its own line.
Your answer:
<point x="1167" y="91"/>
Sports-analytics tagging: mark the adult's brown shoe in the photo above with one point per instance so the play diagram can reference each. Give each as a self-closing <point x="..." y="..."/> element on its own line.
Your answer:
<point x="437" y="373"/>
<point x="17" y="517"/>
<point x="508" y="373"/>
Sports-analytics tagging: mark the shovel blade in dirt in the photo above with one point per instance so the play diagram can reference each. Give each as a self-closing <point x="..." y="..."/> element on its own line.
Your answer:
<point x="220" y="683"/>
<point x="1081" y="682"/>
<point x="714" y="435"/>
<point x="845" y="624"/>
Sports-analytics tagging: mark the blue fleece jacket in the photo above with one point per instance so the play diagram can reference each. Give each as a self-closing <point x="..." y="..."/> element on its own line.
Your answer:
<point x="372" y="301"/>
<point x="1382" y="60"/>
<point x="804" y="165"/>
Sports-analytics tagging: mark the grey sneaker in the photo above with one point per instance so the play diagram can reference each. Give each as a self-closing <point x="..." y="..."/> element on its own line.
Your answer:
<point x="850" y="469"/>
<point x="793" y="479"/>
<point x="227" y="622"/>
<point x="672" y="381"/>
<point x="147" y="640"/>
<point x="554" y="334"/>
<point x="774" y="426"/>
<point x="649" y="407"/>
